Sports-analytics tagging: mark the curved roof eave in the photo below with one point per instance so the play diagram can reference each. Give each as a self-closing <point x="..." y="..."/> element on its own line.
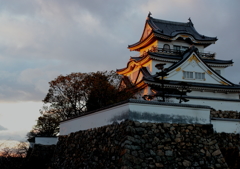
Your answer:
<point x="170" y="27"/>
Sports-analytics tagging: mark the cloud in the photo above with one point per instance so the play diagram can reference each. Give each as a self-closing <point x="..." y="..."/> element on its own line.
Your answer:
<point x="19" y="135"/>
<point x="2" y="128"/>
<point x="44" y="39"/>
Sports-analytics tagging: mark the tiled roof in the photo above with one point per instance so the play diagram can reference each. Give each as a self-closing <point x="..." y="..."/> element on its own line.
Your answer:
<point x="172" y="29"/>
<point x="179" y="57"/>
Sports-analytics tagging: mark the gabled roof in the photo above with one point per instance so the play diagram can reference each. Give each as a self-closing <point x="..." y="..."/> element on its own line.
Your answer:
<point x="186" y="56"/>
<point x="169" y="30"/>
<point x="172" y="29"/>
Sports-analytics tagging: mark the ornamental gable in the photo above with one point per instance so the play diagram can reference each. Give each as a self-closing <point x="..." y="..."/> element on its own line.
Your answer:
<point x="193" y="69"/>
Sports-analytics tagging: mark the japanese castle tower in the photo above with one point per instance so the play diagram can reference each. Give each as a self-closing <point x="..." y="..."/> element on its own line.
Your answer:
<point x="171" y="68"/>
<point x="172" y="62"/>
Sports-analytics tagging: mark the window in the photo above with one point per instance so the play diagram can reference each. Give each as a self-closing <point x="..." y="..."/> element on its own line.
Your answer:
<point x="179" y="48"/>
<point x="166" y="47"/>
<point x="187" y="75"/>
<point x="193" y="75"/>
<point x="218" y="71"/>
<point x="199" y="76"/>
<point x="184" y="48"/>
<point x="176" y="48"/>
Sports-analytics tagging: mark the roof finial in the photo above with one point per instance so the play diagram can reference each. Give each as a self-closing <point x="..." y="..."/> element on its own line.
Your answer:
<point x="190" y="21"/>
<point x="149" y="14"/>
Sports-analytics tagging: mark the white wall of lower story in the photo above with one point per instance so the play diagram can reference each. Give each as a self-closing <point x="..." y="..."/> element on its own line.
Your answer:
<point x="233" y="105"/>
<point x="94" y="120"/>
<point x="215" y="95"/>
<point x="46" y="140"/>
<point x="220" y="126"/>
<point x="169" y="114"/>
<point x="217" y="104"/>
<point x="138" y="112"/>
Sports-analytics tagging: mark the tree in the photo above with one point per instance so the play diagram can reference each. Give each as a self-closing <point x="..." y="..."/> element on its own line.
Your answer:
<point x="18" y="150"/>
<point x="67" y="95"/>
<point x="47" y="124"/>
<point x="103" y="90"/>
<point x="76" y="93"/>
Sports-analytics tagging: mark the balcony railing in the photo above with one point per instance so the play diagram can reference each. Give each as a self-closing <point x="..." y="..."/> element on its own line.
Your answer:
<point x="207" y="55"/>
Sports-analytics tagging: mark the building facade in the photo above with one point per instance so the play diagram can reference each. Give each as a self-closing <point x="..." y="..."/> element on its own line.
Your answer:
<point x="172" y="66"/>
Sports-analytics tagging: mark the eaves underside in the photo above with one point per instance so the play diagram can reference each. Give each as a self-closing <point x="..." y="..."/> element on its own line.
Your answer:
<point x="214" y="88"/>
<point x="132" y="63"/>
<point x="155" y="36"/>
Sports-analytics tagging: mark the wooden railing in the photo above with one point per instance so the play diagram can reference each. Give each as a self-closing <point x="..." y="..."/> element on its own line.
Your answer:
<point x="207" y="55"/>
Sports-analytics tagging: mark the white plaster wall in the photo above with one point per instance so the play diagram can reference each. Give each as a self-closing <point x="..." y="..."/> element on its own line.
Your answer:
<point x="222" y="69"/>
<point x="46" y="140"/>
<point x="134" y="111"/>
<point x="226" y="126"/>
<point x="216" y="104"/>
<point x="94" y="120"/>
<point x="217" y="95"/>
<point x="200" y="115"/>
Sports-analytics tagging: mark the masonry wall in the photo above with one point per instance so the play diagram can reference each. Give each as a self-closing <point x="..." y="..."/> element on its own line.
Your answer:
<point x="39" y="157"/>
<point x="147" y="145"/>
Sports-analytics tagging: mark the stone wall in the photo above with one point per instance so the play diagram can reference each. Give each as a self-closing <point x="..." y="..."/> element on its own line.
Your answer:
<point x="145" y="145"/>
<point x="39" y="157"/>
<point x="229" y="145"/>
<point x="225" y="114"/>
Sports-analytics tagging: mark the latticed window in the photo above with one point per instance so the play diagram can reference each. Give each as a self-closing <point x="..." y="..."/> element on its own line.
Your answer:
<point x="193" y="75"/>
<point x="200" y="76"/>
<point x="188" y="75"/>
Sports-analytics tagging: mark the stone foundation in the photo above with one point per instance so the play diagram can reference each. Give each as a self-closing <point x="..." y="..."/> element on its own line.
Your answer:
<point x="145" y="145"/>
<point x="225" y="114"/>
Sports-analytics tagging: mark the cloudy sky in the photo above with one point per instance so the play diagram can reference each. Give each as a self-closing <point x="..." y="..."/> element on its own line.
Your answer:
<point x="41" y="39"/>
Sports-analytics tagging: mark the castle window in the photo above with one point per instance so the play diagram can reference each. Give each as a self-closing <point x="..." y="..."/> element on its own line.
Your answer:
<point x="187" y="75"/>
<point x="166" y="47"/>
<point x="193" y="75"/>
<point x="184" y="48"/>
<point x="176" y="48"/>
<point x="179" y="48"/>
<point x="199" y="76"/>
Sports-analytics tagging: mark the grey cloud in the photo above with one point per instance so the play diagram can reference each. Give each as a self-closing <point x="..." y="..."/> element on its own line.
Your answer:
<point x="48" y="38"/>
<point x="2" y="128"/>
<point x="13" y="135"/>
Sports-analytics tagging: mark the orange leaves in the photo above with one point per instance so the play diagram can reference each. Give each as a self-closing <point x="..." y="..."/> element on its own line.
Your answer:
<point x="76" y="93"/>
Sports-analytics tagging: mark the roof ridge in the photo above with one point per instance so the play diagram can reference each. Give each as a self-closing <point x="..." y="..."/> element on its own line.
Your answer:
<point x="171" y="22"/>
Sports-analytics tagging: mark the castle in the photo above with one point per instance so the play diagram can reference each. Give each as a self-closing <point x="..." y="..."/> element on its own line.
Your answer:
<point x="178" y="82"/>
<point x="172" y="62"/>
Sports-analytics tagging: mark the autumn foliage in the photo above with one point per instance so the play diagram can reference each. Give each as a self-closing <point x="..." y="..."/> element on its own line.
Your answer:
<point x="76" y="93"/>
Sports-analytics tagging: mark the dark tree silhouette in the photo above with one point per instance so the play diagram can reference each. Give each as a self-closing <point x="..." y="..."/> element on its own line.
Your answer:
<point x="76" y="93"/>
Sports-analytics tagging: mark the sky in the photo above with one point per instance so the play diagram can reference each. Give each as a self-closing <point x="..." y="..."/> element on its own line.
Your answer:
<point x="41" y="39"/>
